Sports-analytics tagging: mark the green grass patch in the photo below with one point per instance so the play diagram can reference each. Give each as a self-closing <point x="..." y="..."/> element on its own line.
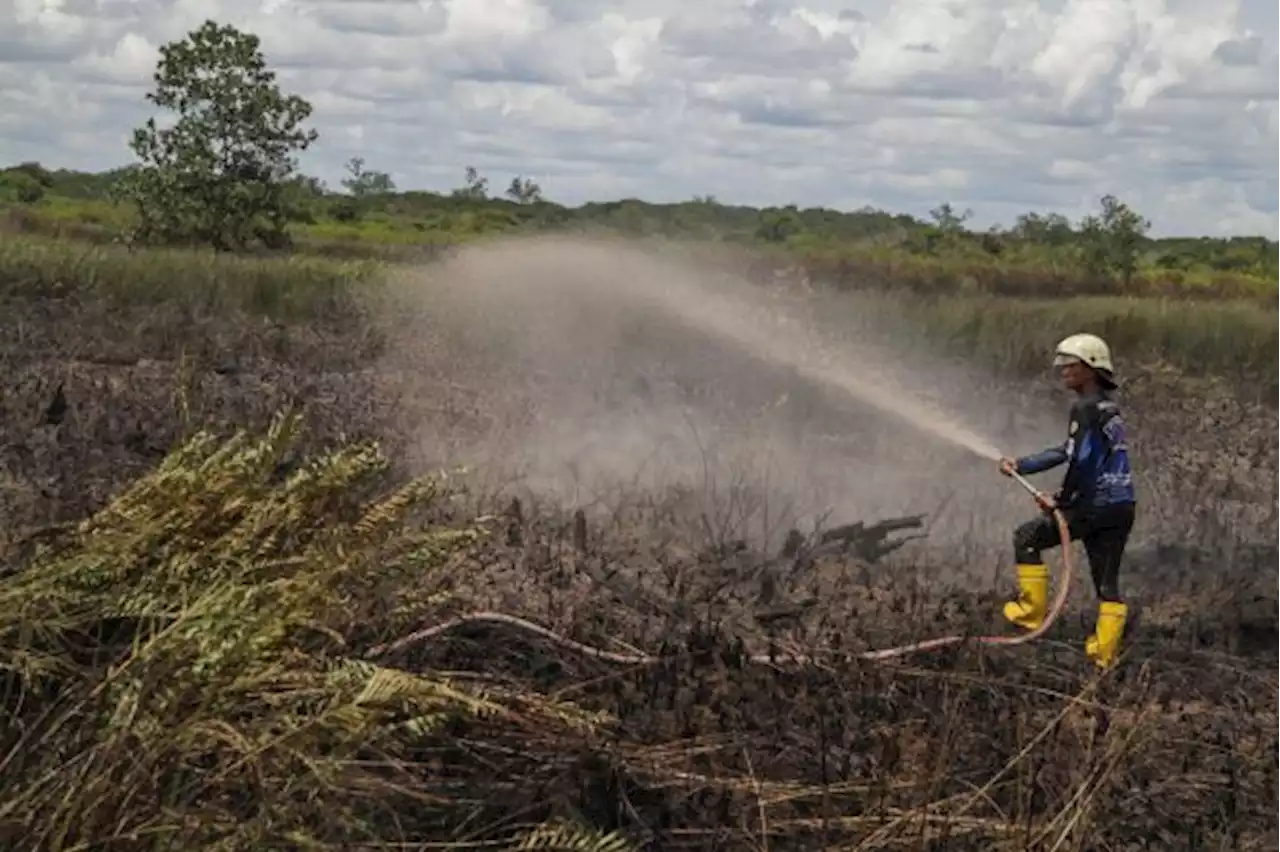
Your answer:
<point x="1231" y="338"/>
<point x="1234" y="340"/>
<point x="285" y="288"/>
<point x="1028" y="275"/>
<point x="88" y="211"/>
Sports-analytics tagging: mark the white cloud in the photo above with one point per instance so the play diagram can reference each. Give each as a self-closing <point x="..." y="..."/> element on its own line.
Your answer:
<point x="998" y="105"/>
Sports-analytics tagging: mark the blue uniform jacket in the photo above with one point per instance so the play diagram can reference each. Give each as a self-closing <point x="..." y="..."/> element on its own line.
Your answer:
<point x="1097" y="458"/>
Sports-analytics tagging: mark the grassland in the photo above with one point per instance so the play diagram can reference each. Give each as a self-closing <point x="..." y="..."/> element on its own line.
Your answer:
<point x="206" y="604"/>
<point x="1227" y="337"/>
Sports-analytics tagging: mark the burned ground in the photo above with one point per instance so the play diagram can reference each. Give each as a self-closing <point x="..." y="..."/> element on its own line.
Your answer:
<point x="968" y="748"/>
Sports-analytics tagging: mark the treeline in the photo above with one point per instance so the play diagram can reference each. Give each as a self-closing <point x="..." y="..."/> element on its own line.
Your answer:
<point x="375" y="209"/>
<point x="225" y="175"/>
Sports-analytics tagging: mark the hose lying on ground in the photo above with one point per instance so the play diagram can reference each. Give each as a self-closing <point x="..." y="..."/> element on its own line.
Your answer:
<point x="1054" y="610"/>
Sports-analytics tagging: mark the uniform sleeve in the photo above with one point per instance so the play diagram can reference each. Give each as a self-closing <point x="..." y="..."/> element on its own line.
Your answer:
<point x="1043" y="460"/>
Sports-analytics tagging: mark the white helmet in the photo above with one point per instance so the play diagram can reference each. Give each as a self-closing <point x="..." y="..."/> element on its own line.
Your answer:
<point x="1090" y="349"/>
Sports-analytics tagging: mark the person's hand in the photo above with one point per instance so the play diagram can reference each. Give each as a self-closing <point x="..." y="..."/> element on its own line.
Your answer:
<point x="1008" y="466"/>
<point x="1046" y="501"/>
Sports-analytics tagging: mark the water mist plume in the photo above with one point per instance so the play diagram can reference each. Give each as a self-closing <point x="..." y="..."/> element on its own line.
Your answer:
<point x="600" y="360"/>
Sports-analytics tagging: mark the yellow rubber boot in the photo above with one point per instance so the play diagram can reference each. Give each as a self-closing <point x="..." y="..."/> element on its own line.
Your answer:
<point x="1104" y="644"/>
<point x="1033" y="599"/>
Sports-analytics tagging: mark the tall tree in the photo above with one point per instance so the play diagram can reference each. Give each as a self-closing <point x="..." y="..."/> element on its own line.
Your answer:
<point x="364" y="182"/>
<point x="218" y="176"/>
<point x="1112" y="240"/>
<point x="475" y="187"/>
<point x="524" y="190"/>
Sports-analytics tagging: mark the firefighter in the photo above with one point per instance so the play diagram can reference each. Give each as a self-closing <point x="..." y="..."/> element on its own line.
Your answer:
<point x="1097" y="497"/>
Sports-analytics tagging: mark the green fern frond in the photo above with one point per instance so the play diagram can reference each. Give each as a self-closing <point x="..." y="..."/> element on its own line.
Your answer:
<point x="388" y="512"/>
<point x="421" y="727"/>
<point x="385" y="686"/>
<point x="563" y="836"/>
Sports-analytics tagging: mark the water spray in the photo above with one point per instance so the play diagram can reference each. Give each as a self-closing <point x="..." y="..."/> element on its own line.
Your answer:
<point x="753" y="326"/>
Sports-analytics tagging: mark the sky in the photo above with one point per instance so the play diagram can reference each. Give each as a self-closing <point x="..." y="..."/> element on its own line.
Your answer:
<point x="999" y="106"/>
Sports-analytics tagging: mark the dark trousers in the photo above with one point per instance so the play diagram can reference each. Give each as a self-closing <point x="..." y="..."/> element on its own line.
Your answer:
<point x="1104" y="531"/>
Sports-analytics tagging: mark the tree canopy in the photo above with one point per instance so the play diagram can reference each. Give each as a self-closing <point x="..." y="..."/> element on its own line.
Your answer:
<point x="217" y="176"/>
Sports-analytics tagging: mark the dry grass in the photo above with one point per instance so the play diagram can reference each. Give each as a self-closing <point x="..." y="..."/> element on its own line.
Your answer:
<point x="189" y="668"/>
<point x="192" y="621"/>
<point x="180" y="669"/>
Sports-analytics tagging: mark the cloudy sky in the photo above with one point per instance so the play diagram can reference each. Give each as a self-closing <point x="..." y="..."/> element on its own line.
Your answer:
<point x="1002" y="106"/>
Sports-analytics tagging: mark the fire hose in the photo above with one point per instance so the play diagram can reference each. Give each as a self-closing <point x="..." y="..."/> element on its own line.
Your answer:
<point x="1051" y="615"/>
<point x="640" y="659"/>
